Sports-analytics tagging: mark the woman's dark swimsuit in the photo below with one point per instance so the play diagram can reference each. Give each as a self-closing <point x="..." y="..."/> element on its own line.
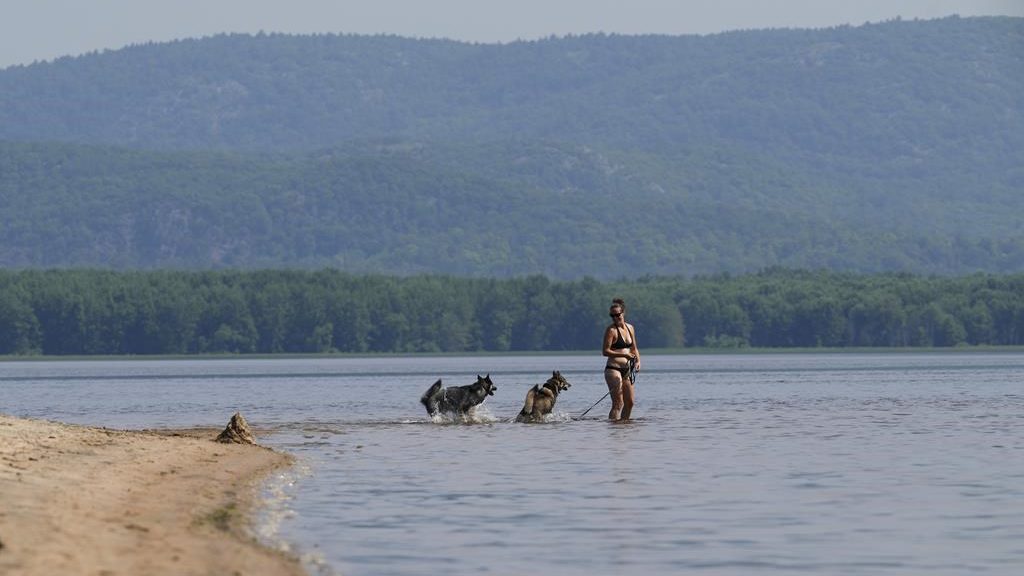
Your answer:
<point x="621" y="344"/>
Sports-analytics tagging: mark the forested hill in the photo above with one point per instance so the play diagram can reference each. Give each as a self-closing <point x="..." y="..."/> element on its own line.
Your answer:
<point x="894" y="146"/>
<point x="905" y="89"/>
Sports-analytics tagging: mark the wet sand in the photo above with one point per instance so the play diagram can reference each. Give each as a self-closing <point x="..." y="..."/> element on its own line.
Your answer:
<point x="93" y="501"/>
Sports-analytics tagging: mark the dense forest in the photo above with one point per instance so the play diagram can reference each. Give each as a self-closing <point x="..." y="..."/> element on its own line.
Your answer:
<point x="414" y="212"/>
<point x="164" y="312"/>
<point x="885" y="147"/>
<point x="899" y="92"/>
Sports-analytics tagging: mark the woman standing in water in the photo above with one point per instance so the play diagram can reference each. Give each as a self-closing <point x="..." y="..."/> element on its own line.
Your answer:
<point x="623" y="358"/>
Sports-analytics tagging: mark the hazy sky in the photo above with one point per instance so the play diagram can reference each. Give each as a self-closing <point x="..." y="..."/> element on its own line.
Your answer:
<point x="44" y="29"/>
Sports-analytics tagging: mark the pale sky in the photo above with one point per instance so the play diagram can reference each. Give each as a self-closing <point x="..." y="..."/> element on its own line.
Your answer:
<point x="33" y="30"/>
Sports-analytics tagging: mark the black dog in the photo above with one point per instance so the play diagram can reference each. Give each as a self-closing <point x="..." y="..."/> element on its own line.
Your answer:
<point x="457" y="400"/>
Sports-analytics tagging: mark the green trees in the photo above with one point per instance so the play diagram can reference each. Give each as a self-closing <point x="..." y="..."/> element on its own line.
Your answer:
<point x="514" y="209"/>
<point x="85" y="312"/>
<point x="847" y="92"/>
<point x="781" y="308"/>
<point x="890" y="147"/>
<point x="19" y="326"/>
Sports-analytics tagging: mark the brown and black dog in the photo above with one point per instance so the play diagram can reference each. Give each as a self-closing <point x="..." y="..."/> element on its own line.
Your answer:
<point x="540" y="400"/>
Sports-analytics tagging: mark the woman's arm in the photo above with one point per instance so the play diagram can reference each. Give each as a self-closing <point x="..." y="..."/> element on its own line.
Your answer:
<point x="607" y="348"/>
<point x="634" y="349"/>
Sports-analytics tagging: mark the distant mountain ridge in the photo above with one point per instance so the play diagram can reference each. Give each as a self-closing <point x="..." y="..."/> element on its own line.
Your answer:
<point x="894" y="146"/>
<point x="280" y="91"/>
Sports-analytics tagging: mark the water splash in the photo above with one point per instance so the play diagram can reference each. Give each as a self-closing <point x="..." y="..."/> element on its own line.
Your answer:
<point x="558" y="417"/>
<point x="479" y="414"/>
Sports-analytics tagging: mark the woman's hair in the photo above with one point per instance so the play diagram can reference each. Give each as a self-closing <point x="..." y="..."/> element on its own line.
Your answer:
<point x="620" y="303"/>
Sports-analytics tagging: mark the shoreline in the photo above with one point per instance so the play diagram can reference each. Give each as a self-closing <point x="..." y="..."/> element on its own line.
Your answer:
<point x="84" y="500"/>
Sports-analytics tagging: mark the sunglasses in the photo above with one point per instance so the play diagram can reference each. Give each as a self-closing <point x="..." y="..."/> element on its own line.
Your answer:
<point x="615" y="314"/>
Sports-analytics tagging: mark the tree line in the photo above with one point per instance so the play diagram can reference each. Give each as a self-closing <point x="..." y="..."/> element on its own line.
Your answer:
<point x="85" y="312"/>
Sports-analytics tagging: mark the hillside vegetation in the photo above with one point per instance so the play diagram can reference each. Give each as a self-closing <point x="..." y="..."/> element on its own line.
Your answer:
<point x="895" y="146"/>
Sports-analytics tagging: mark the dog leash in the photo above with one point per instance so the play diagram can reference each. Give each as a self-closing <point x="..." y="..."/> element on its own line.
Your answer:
<point x="595" y="404"/>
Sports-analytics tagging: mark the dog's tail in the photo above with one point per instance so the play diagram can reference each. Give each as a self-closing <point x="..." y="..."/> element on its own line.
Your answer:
<point x="428" y="397"/>
<point x="527" y="410"/>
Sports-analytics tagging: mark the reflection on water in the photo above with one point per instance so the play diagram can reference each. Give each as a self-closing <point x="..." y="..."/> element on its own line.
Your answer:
<point x="822" y="464"/>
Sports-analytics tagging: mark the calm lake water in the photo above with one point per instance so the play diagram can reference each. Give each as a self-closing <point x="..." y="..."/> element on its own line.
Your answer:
<point x="734" y="464"/>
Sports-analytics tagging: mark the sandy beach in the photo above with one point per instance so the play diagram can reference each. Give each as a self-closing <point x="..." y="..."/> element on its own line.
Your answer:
<point x="93" y="501"/>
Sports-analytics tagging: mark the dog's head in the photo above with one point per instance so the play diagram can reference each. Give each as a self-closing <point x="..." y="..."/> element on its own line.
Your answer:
<point x="485" y="383"/>
<point x="557" y="382"/>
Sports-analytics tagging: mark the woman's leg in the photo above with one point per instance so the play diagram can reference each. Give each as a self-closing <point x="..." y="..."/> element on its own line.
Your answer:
<point x="628" y="395"/>
<point x="613" y="378"/>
